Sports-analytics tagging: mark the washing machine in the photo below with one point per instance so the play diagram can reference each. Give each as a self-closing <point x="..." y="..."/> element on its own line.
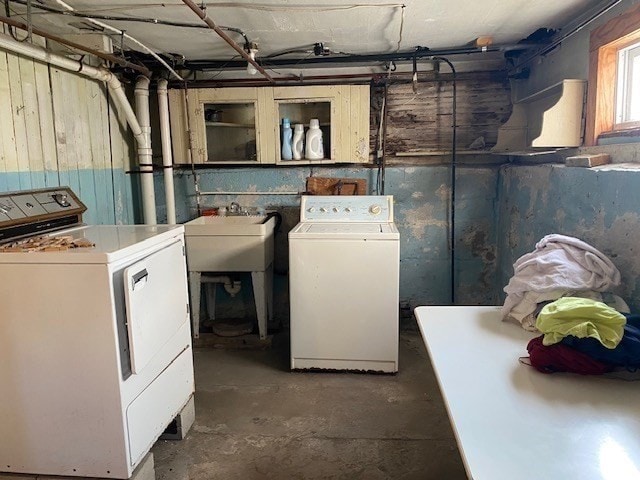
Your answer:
<point x="344" y="263"/>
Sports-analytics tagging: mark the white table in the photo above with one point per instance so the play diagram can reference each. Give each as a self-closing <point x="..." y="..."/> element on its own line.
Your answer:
<point x="512" y="422"/>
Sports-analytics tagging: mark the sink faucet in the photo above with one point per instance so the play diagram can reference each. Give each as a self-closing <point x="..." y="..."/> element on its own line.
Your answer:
<point x="234" y="207"/>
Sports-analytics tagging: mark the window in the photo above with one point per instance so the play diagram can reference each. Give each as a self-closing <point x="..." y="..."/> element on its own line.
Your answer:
<point x="613" y="103"/>
<point x="628" y="87"/>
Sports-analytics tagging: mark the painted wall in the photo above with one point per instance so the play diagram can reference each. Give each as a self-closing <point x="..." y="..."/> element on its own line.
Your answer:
<point x="57" y="129"/>
<point x="601" y="207"/>
<point x="421" y="209"/>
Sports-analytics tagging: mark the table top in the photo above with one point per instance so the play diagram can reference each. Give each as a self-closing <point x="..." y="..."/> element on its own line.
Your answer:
<point x="513" y="422"/>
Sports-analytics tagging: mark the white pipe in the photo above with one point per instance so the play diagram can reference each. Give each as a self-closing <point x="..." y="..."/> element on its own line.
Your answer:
<point x="115" y="87"/>
<point x="231" y="287"/>
<point x="120" y="32"/>
<point x="145" y="159"/>
<point x="167" y="159"/>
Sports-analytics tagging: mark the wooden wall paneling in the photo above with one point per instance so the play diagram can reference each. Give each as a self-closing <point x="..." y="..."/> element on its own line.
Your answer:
<point x="120" y="163"/>
<point x="19" y="124"/>
<point x="58" y="99"/>
<point x="422" y="121"/>
<point x="104" y="176"/>
<point x="46" y="123"/>
<point x="8" y="158"/>
<point x="69" y="109"/>
<point x="31" y="113"/>
<point x="96" y="162"/>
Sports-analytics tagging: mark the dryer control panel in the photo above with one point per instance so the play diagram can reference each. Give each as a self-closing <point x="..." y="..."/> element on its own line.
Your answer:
<point x="352" y="209"/>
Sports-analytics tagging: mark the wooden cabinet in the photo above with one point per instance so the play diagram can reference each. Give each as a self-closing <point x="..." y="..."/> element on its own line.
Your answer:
<point x="243" y="125"/>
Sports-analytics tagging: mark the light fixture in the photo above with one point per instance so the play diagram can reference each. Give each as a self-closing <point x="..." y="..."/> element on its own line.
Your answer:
<point x="252" y="50"/>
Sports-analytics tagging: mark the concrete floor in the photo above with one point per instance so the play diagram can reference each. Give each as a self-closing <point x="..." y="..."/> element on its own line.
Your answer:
<point x="257" y="420"/>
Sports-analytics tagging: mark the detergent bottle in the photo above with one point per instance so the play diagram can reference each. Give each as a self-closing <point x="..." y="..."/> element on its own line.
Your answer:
<point x="298" y="141"/>
<point x="286" y="140"/>
<point x="313" y="148"/>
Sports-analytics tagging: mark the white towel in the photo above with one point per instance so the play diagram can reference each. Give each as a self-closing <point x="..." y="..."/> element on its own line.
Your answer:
<point x="559" y="265"/>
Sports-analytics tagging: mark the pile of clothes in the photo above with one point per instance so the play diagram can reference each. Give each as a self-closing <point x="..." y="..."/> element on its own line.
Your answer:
<point x="584" y="336"/>
<point x="562" y="290"/>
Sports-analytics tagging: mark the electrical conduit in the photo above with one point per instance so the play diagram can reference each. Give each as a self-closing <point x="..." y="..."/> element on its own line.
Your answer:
<point x="167" y="159"/>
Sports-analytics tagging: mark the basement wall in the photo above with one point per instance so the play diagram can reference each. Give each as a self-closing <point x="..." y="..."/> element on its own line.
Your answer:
<point x="600" y="206"/>
<point x="60" y="129"/>
<point x="419" y="124"/>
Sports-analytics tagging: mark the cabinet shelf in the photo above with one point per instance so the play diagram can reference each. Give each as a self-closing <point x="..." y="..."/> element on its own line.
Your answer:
<point x="228" y="125"/>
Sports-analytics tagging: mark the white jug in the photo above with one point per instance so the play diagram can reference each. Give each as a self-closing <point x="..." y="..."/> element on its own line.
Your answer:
<point x="314" y="149"/>
<point x="298" y="141"/>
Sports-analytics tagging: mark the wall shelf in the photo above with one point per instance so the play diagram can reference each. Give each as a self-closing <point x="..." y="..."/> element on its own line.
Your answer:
<point x="551" y="118"/>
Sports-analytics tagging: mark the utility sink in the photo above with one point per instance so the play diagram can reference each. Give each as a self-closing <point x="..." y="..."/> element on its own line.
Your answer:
<point x="229" y="244"/>
<point x="218" y="244"/>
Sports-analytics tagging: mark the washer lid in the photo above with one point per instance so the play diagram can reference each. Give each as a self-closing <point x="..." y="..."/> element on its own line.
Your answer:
<point x="367" y="231"/>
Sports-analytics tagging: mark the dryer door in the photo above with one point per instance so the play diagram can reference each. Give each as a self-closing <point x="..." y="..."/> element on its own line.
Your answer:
<point x="156" y="302"/>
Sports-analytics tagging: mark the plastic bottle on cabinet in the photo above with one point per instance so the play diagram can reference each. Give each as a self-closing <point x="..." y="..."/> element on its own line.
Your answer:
<point x="313" y="149"/>
<point x="287" y="154"/>
<point x="298" y="141"/>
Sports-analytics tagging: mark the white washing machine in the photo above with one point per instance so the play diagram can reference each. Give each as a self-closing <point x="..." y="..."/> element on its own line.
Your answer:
<point x="344" y="262"/>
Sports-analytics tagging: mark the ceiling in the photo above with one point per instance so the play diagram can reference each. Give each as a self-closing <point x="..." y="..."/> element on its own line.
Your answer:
<point x="341" y="25"/>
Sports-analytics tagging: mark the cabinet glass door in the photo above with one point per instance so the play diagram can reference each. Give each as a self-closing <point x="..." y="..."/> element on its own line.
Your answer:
<point x="230" y="132"/>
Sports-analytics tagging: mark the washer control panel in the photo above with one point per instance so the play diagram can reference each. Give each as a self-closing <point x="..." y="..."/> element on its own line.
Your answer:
<point x="337" y="208"/>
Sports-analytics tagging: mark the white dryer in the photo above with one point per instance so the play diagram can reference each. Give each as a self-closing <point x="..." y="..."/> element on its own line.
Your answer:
<point x="95" y="342"/>
<point x="344" y="262"/>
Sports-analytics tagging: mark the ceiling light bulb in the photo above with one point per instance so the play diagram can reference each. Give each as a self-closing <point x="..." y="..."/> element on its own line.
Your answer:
<point x="251" y="70"/>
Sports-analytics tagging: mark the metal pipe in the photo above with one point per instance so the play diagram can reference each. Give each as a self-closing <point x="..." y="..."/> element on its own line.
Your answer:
<point x="206" y="19"/>
<point x="167" y="159"/>
<point x="581" y="24"/>
<point x="120" y="32"/>
<point x="370" y="58"/>
<point x="250" y="193"/>
<point x="145" y="159"/>
<point x="231" y="287"/>
<point x="105" y="56"/>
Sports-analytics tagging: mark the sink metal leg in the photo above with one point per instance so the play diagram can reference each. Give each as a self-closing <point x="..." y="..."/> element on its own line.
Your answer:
<point x="260" y="295"/>
<point x="194" y="287"/>
<point x="210" y="289"/>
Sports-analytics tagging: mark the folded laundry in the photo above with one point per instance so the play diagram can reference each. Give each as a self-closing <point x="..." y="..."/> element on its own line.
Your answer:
<point x="582" y="318"/>
<point x="559" y="266"/>
<point x="627" y="352"/>
<point x="562" y="358"/>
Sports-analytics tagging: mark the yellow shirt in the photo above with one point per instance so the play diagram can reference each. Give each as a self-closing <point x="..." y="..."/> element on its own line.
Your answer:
<point x="580" y="317"/>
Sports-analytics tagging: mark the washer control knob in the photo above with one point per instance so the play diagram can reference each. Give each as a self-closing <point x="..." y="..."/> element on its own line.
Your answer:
<point x="375" y="209"/>
<point x="348" y="210"/>
<point x="311" y="209"/>
<point x="323" y="210"/>
<point x="336" y="209"/>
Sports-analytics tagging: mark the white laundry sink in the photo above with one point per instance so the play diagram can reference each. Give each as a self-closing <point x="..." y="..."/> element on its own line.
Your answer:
<point x="230" y="244"/>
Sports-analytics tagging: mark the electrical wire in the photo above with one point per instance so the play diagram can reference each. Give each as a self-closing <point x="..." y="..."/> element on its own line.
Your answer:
<point x="115" y="18"/>
<point x="401" y="27"/>
<point x="12" y="32"/>
<point x="452" y="207"/>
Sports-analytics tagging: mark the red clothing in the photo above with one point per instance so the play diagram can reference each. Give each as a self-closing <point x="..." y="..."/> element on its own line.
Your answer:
<point x="561" y="358"/>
